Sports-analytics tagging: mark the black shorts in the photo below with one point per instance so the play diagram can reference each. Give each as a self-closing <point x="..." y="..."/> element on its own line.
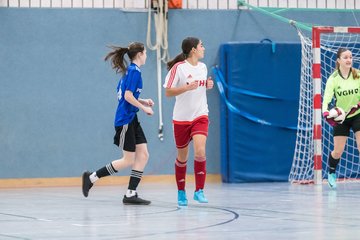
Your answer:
<point x="129" y="135"/>
<point x="349" y="123"/>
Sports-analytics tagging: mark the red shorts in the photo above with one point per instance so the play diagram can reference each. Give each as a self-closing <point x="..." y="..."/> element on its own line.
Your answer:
<point x="184" y="131"/>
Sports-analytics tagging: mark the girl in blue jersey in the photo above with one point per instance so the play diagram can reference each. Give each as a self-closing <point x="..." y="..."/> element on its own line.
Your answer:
<point x="344" y="85"/>
<point x="129" y="135"/>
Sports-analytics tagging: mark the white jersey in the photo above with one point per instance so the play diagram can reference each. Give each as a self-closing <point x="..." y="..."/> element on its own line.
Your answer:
<point x="190" y="104"/>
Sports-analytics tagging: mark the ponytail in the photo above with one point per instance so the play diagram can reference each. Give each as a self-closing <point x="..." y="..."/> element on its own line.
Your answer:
<point x="117" y="58"/>
<point x="180" y="57"/>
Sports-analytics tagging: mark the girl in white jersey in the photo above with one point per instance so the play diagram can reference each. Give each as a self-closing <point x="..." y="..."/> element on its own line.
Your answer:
<point x="129" y="135"/>
<point x="344" y="85"/>
<point x="187" y="81"/>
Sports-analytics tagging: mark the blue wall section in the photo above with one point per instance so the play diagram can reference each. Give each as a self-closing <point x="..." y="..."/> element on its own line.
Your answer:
<point x="57" y="95"/>
<point x="262" y="84"/>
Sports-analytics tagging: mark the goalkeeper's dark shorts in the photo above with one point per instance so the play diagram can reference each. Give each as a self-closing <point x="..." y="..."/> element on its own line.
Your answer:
<point x="349" y="123"/>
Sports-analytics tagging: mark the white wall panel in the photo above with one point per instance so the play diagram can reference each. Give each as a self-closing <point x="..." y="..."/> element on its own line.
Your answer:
<point x="187" y="4"/>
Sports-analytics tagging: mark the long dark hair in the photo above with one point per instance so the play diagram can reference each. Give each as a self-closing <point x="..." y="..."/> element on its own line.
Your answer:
<point x="116" y="56"/>
<point x="187" y="45"/>
<point x="354" y="71"/>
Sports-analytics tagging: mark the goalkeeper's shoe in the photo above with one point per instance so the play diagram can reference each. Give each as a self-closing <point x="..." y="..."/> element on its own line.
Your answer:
<point x="332" y="180"/>
<point x="182" y="200"/>
<point x="86" y="183"/>
<point x="199" y="196"/>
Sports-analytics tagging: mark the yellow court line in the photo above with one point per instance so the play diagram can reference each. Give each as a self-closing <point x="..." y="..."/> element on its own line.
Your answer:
<point x="76" y="181"/>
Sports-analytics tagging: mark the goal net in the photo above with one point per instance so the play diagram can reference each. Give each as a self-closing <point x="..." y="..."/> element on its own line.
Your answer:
<point x="314" y="135"/>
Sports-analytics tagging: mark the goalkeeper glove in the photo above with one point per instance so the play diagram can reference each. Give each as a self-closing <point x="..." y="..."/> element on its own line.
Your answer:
<point x="329" y="119"/>
<point x="354" y="109"/>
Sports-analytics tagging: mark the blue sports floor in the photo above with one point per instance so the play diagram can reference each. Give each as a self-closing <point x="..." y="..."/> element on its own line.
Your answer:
<point x="264" y="211"/>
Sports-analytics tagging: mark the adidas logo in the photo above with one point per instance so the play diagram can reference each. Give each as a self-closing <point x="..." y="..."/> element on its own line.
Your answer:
<point x="189" y="76"/>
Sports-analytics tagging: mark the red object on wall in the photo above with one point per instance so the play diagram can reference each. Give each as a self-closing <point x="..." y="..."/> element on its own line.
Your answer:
<point x="174" y="3"/>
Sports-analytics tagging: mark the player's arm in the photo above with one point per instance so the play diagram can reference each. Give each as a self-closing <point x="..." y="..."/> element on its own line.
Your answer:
<point x="147" y="102"/>
<point x="129" y="97"/>
<point x="172" y="86"/>
<point x="171" y="92"/>
<point x="328" y="95"/>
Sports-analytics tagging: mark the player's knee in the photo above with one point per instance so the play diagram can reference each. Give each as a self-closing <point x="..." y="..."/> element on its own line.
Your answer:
<point x="146" y="158"/>
<point x="146" y="155"/>
<point x="143" y="156"/>
<point x="182" y="157"/>
<point x="200" y="152"/>
<point x="129" y="161"/>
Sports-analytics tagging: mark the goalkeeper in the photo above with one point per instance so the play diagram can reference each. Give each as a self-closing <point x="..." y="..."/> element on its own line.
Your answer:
<point x="343" y="85"/>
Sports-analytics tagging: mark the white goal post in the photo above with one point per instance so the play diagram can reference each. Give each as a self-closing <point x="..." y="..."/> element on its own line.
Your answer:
<point x="314" y="135"/>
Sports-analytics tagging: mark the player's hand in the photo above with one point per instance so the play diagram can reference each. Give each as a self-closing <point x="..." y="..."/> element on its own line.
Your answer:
<point x="329" y="119"/>
<point x="148" y="110"/>
<point x="192" y="85"/>
<point x="354" y="108"/>
<point x="209" y="83"/>
<point x="148" y="102"/>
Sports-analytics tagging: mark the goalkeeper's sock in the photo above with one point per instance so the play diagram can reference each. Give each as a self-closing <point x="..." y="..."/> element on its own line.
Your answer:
<point x="333" y="163"/>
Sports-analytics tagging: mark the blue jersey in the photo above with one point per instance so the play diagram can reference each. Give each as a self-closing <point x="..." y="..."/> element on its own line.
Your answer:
<point x="131" y="81"/>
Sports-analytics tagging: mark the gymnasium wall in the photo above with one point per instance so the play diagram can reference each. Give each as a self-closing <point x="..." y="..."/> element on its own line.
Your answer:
<point x="57" y="95"/>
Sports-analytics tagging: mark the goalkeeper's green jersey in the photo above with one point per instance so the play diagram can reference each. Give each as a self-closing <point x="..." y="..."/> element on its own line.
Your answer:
<point x="346" y="92"/>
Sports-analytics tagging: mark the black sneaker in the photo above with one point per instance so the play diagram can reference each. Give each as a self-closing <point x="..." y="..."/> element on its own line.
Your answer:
<point x="86" y="183"/>
<point x="135" y="200"/>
